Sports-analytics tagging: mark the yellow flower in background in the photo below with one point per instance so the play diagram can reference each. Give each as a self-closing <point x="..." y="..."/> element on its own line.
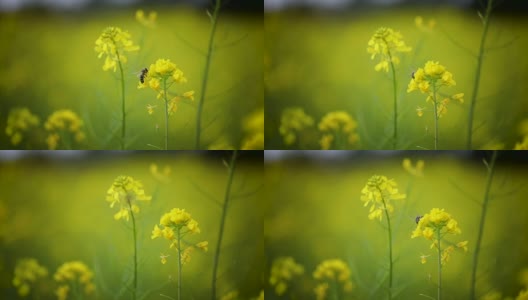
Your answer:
<point x="379" y="193"/>
<point x="162" y="176"/>
<point x="492" y="295"/>
<point x="429" y="80"/>
<point x="338" y="130"/>
<point x="420" y="24"/>
<point x="174" y="226"/>
<point x="74" y="273"/>
<point x="386" y="43"/>
<point x="113" y="43"/>
<point x="61" y="124"/>
<point x="27" y="272"/>
<point x="147" y="21"/>
<point x="232" y="295"/>
<point x="332" y="270"/>
<point x="293" y="121"/>
<point x="433" y="226"/>
<point x="413" y="170"/>
<point x="19" y="120"/>
<point x="523" y="277"/>
<point x="126" y="191"/>
<point x="523" y="295"/>
<point x="253" y="126"/>
<point x="522" y="145"/>
<point x="283" y="270"/>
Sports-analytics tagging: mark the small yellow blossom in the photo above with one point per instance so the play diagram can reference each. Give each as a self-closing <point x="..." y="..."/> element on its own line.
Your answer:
<point x="341" y="127"/>
<point x="253" y="126"/>
<point x="75" y="273"/>
<point x="415" y="171"/>
<point x="189" y="95"/>
<point x="283" y="271"/>
<point x="333" y="270"/>
<point x="149" y="21"/>
<point x="20" y="120"/>
<point x="423" y="258"/>
<point x="522" y="145"/>
<point x="162" y="176"/>
<point x="60" y="123"/>
<point x="113" y="42"/>
<point x="379" y="193"/>
<point x="293" y="121"/>
<point x="419" y="22"/>
<point x="523" y="295"/>
<point x="27" y="272"/>
<point x="386" y="43"/>
<point x="126" y="191"/>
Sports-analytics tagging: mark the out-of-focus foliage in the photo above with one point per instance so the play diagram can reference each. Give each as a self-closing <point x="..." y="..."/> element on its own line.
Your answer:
<point x="315" y="213"/>
<point x="48" y="63"/>
<point x="319" y="63"/>
<point x="56" y="211"/>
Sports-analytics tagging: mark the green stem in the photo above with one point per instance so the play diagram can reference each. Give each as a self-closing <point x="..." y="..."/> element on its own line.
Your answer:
<point x="480" y="58"/>
<point x="227" y="196"/>
<point x="439" y="296"/>
<point x="205" y="78"/>
<point x="436" y="117"/>
<point x="489" y="180"/>
<point x="390" y="243"/>
<point x="179" y="264"/>
<point x="123" y="112"/>
<point x="134" y="289"/>
<point x="395" y="90"/>
<point x="166" y="114"/>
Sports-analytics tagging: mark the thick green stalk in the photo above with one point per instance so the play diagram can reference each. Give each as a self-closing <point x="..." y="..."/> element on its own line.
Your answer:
<point x="489" y="180"/>
<point x="436" y="118"/>
<point x="395" y="90"/>
<point x="134" y="289"/>
<point x="205" y="78"/>
<point x="166" y="114"/>
<point x="390" y="242"/>
<point x="179" y="264"/>
<point x="227" y="196"/>
<point x="123" y="112"/>
<point x="439" y="296"/>
<point x="486" y="20"/>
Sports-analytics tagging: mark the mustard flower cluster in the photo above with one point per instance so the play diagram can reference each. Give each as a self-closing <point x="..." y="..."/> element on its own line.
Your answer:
<point x="429" y="80"/>
<point x="386" y="43"/>
<point x="379" y="193"/>
<point x="421" y="24"/>
<point x="283" y="270"/>
<point x="338" y="130"/>
<point x="75" y="273"/>
<point x="161" y="176"/>
<point x="60" y="124"/>
<point x="19" y="120"/>
<point x="27" y="272"/>
<point x="126" y="191"/>
<point x="253" y="126"/>
<point x="433" y="226"/>
<point x="293" y="121"/>
<point x="413" y="170"/>
<point x="333" y="271"/>
<point x="159" y="77"/>
<point x="175" y="225"/>
<point x="147" y="21"/>
<point x="112" y="43"/>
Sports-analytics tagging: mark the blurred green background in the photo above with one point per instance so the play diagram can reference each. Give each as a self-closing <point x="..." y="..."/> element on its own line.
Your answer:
<point x="53" y="208"/>
<point x="48" y="63"/>
<point x="317" y="60"/>
<point x="314" y="213"/>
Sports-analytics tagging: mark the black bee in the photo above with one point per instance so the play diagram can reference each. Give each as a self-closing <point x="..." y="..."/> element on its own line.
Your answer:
<point x="418" y="219"/>
<point x="412" y="75"/>
<point x="142" y="74"/>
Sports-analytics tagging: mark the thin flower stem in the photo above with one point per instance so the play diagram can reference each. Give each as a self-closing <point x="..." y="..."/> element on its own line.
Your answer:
<point x="390" y="243"/>
<point x="166" y="114"/>
<point x="439" y="296"/>
<point x="227" y="196"/>
<point x="489" y="181"/>
<point x="134" y="289"/>
<point x="395" y="90"/>
<point x="205" y="78"/>
<point x="480" y="58"/>
<point x="179" y="264"/>
<point x="436" y="118"/>
<point x="123" y="111"/>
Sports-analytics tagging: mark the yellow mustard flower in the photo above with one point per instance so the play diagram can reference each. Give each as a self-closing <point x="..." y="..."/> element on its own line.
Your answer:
<point x="283" y="270"/>
<point x="338" y="130"/>
<point x="112" y="43"/>
<point x="147" y="21"/>
<point x="62" y="124"/>
<point x="126" y="191"/>
<point x="523" y="295"/>
<point x="379" y="193"/>
<point x="413" y="170"/>
<point x="161" y="176"/>
<point x="261" y="295"/>
<point x="522" y="145"/>
<point x="333" y="271"/>
<point x="19" y="120"/>
<point x="253" y="126"/>
<point x="232" y="295"/>
<point x="293" y="121"/>
<point x="175" y="225"/>
<point x="386" y="43"/>
<point x="523" y="277"/>
<point x="421" y="24"/>
<point x="27" y="272"/>
<point x="75" y="273"/>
